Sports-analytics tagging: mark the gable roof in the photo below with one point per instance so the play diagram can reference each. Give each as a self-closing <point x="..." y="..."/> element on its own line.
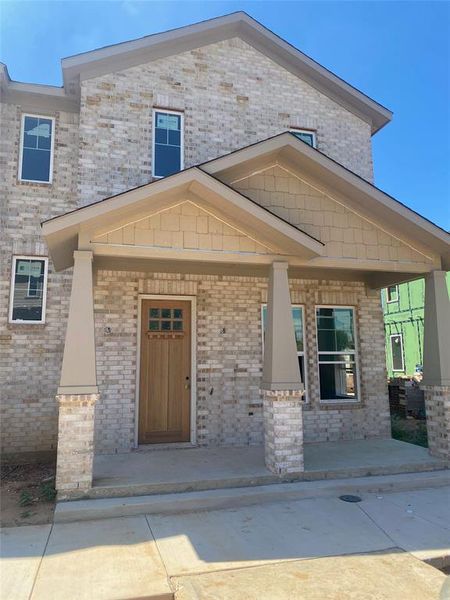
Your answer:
<point x="239" y="24"/>
<point x="359" y="194"/>
<point x="61" y="233"/>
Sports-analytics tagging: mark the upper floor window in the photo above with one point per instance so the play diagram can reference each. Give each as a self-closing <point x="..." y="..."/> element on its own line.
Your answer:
<point x="167" y="143"/>
<point x="336" y="346"/>
<point x="306" y="135"/>
<point x="297" y="317"/>
<point x="392" y="293"/>
<point x="36" y="149"/>
<point x="28" y="289"/>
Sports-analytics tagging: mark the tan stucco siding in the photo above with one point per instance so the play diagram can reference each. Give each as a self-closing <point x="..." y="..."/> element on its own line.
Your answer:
<point x="231" y="96"/>
<point x="345" y="233"/>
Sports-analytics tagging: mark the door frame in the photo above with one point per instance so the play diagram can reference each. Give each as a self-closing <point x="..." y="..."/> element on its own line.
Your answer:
<point x="193" y="301"/>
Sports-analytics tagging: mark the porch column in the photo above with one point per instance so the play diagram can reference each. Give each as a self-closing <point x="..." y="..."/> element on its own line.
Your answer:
<point x="436" y="364"/>
<point x="281" y="383"/>
<point x="77" y="391"/>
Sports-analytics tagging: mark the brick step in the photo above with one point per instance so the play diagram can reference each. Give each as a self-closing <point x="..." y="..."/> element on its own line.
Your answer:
<point x="102" y="508"/>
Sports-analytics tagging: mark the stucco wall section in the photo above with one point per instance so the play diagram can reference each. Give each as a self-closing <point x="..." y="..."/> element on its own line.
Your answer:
<point x="345" y="233"/>
<point x="231" y="96"/>
<point x="229" y="358"/>
<point x="30" y="355"/>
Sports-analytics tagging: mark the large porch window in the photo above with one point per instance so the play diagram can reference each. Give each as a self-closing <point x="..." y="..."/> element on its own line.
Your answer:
<point x="336" y="346"/>
<point x="299" y="330"/>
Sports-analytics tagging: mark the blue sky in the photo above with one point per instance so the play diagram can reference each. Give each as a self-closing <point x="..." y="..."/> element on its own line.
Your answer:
<point x="396" y="52"/>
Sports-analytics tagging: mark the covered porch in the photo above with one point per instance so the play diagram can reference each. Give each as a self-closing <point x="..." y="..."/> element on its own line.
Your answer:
<point x="147" y="472"/>
<point x="228" y="251"/>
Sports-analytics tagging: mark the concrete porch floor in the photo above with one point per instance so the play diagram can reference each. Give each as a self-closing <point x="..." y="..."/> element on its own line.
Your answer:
<point x="186" y="469"/>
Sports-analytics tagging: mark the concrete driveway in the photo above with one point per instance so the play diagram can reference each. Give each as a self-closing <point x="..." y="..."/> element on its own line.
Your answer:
<point x="372" y="549"/>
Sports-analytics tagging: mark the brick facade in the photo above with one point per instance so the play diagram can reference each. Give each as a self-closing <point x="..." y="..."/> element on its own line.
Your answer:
<point x="229" y="405"/>
<point x="232" y="96"/>
<point x="437" y="406"/>
<point x="30" y="355"/>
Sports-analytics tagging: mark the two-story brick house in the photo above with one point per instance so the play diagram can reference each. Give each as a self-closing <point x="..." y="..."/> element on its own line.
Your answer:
<point x="211" y="252"/>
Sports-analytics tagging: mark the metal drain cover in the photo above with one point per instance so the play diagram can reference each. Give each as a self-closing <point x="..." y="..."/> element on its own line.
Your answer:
<point x="350" y="498"/>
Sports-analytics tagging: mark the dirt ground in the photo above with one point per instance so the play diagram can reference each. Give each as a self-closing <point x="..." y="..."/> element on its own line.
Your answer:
<point x="27" y="494"/>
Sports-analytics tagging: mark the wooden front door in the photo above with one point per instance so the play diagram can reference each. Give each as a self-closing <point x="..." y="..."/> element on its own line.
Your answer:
<point x="165" y="372"/>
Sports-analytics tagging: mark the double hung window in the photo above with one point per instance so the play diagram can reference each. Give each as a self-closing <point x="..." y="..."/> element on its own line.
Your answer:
<point x="167" y="143"/>
<point x="28" y="289"/>
<point x="336" y="354"/>
<point x="36" y="149"/>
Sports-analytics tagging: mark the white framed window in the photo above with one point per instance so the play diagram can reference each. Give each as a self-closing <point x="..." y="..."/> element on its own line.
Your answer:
<point x="337" y="354"/>
<point x="299" y="329"/>
<point x="37" y="140"/>
<point x="168" y="142"/>
<point x="306" y="135"/>
<point x="392" y="294"/>
<point x="28" y="289"/>
<point x="398" y="363"/>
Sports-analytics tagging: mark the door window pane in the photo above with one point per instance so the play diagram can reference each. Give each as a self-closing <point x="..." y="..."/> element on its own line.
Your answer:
<point x="165" y="319"/>
<point x="27" y="297"/>
<point x="36" y="149"/>
<point x="167" y="157"/>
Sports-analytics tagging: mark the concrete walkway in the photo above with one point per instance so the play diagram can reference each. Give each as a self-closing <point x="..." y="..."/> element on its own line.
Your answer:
<point x="315" y="548"/>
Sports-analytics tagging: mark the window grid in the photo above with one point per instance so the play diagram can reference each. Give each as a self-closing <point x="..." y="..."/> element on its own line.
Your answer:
<point x="27" y="145"/>
<point x="167" y="142"/>
<point x="350" y="362"/>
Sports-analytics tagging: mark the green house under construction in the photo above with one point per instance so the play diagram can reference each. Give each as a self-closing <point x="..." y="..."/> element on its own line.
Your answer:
<point x="403" y="307"/>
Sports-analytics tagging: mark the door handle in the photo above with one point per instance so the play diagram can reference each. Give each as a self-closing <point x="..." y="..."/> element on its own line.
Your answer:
<point x="187" y="385"/>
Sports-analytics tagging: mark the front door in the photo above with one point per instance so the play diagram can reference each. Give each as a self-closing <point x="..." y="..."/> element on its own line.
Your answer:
<point x="165" y="371"/>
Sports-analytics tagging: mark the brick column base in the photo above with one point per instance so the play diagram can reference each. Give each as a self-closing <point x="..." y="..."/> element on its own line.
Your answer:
<point x="75" y="457"/>
<point x="283" y="431"/>
<point x="437" y="407"/>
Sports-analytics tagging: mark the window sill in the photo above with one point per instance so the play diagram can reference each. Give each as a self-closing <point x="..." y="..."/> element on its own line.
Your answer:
<point x="30" y="183"/>
<point x="339" y="404"/>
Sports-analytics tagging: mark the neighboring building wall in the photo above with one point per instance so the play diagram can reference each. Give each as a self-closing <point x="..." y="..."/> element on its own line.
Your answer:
<point x="231" y="95"/>
<point x="30" y="355"/>
<point x="405" y="317"/>
<point x="229" y="365"/>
